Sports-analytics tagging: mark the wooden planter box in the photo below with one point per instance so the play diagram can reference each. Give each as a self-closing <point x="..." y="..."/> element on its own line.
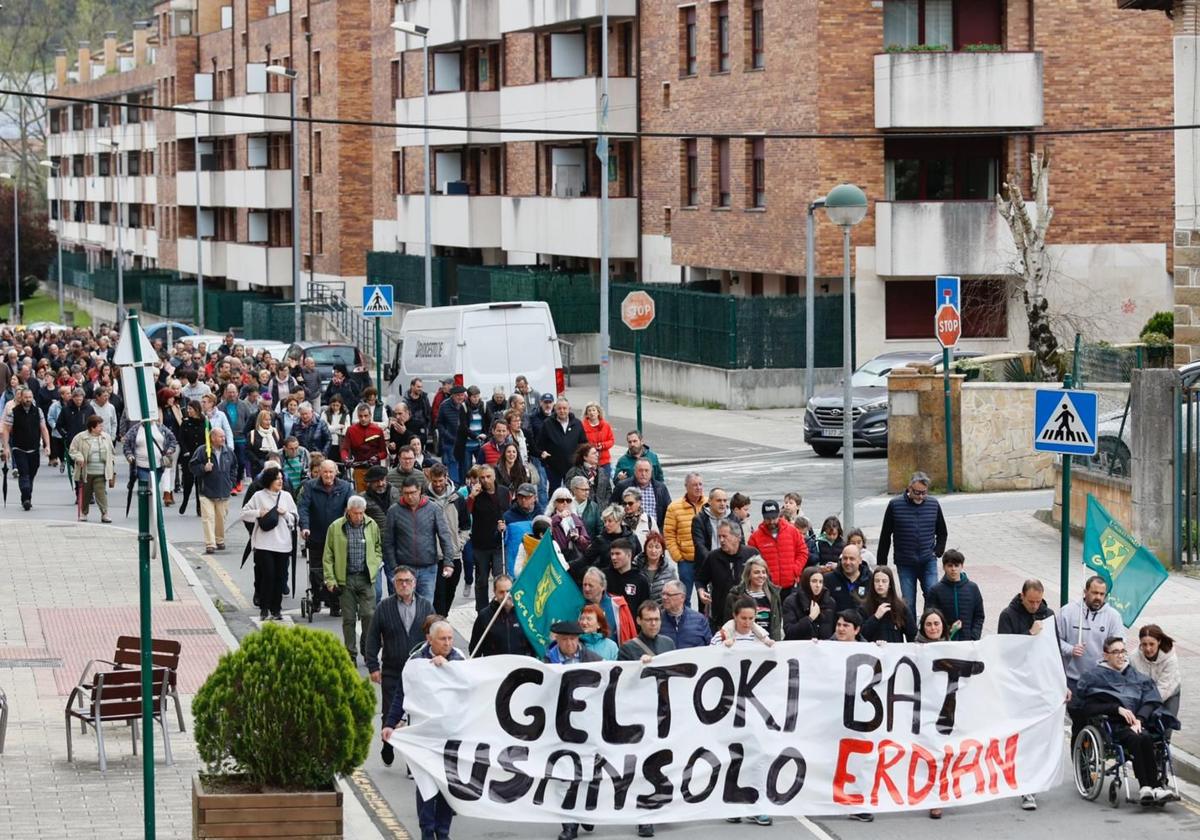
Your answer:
<point x="304" y="816"/>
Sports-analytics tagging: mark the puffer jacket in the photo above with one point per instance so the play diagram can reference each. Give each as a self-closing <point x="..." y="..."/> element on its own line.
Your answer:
<point x="786" y="552"/>
<point x="677" y="528"/>
<point x="961" y="601"/>
<point x="319" y="506"/>
<point x="412" y="536"/>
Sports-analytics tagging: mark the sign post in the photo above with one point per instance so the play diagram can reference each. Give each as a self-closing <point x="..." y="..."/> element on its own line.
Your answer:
<point x="378" y="303"/>
<point x="637" y="313"/>
<point x="1064" y="422"/>
<point x="948" y="326"/>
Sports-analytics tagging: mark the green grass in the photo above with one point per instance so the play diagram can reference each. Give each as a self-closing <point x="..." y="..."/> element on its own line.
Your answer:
<point x="44" y="307"/>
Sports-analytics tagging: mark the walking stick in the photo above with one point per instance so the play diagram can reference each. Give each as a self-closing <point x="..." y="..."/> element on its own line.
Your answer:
<point x="488" y="629"/>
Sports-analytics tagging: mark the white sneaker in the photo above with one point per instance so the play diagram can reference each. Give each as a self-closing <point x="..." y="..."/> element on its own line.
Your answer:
<point x="1146" y="794"/>
<point x="1028" y="802"/>
<point x="1163" y="794"/>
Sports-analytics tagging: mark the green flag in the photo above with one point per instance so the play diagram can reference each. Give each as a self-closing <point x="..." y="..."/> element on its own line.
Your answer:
<point x="544" y="593"/>
<point x="1133" y="573"/>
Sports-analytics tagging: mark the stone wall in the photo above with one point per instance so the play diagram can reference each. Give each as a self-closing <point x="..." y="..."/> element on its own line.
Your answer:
<point x="917" y="427"/>
<point x="1115" y="494"/>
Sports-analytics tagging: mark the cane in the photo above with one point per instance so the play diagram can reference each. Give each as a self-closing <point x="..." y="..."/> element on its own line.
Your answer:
<point x="488" y="629"/>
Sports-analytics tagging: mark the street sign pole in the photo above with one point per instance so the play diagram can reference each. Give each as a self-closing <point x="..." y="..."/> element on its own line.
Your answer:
<point x="947" y="324"/>
<point x="637" y="375"/>
<point x="379" y="360"/>
<point x="637" y="313"/>
<point x="949" y="426"/>
<point x="1064" y="568"/>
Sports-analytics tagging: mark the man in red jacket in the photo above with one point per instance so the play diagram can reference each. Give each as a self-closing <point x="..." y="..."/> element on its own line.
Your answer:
<point x="363" y="446"/>
<point x="782" y="546"/>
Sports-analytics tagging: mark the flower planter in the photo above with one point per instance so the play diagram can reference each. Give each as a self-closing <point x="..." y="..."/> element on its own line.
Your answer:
<point x="304" y="816"/>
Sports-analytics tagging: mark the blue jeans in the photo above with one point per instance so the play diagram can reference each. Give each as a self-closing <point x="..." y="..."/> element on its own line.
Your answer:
<point x="468" y="563"/>
<point x="26" y="465"/>
<point x="426" y="580"/>
<point x="543" y="492"/>
<point x="452" y="465"/>
<point x="926" y="573"/>
<point x="687" y="576"/>
<point x="434" y="816"/>
<point x="242" y="456"/>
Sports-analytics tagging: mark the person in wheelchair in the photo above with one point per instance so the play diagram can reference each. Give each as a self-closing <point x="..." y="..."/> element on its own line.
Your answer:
<point x="1129" y="701"/>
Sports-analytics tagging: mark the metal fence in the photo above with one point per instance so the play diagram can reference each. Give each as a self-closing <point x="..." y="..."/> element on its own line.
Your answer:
<point x="732" y="332"/>
<point x="574" y="299"/>
<point x="406" y="273"/>
<point x="166" y="297"/>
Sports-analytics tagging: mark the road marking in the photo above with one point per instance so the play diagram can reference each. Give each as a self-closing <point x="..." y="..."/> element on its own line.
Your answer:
<point x="814" y="829"/>
<point x="377" y="806"/>
<point x="225" y="578"/>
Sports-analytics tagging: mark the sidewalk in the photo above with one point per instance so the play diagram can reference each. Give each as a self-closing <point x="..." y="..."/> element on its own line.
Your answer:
<point x="73" y="590"/>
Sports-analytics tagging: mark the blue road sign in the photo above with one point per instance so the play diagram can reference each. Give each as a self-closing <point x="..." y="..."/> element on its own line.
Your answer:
<point x="377" y="302"/>
<point x="941" y="286"/>
<point x="1065" y="422"/>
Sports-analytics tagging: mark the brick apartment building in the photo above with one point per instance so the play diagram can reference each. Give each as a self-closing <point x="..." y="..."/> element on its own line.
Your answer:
<point x="733" y="211"/>
<point x="684" y="209"/>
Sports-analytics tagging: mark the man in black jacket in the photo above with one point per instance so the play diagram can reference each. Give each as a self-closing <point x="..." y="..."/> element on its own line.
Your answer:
<point x="497" y="630"/>
<point x="914" y="520"/>
<point x="420" y="415"/>
<point x="557" y="441"/>
<point x="396" y="629"/>
<point x="451" y="414"/>
<point x="487" y="503"/>
<point x="720" y="571"/>
<point x="850" y="582"/>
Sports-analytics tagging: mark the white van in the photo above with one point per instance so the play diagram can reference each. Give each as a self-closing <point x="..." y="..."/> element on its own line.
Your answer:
<point x="484" y="344"/>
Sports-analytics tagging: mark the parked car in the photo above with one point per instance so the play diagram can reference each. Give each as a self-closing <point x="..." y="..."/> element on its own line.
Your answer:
<point x="823" y="415"/>
<point x="327" y="355"/>
<point x="168" y="331"/>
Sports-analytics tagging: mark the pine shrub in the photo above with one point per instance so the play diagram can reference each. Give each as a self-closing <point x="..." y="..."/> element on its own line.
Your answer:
<point x="287" y="710"/>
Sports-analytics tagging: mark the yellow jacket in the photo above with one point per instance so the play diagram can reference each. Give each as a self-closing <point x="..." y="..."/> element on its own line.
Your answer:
<point x="677" y="528"/>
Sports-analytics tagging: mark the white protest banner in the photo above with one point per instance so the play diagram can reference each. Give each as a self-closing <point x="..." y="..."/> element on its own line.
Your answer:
<point x="800" y="728"/>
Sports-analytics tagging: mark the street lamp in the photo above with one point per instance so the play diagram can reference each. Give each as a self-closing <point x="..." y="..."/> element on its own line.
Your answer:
<point x="16" y="306"/>
<point x="846" y="206"/>
<point x="53" y="167"/>
<point x="298" y="324"/>
<point x="422" y="32"/>
<point x="809" y="306"/>
<point x="116" y="147"/>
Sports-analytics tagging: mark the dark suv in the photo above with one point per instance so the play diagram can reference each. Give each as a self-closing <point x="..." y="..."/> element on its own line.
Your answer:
<point x="869" y="392"/>
<point x="326" y="356"/>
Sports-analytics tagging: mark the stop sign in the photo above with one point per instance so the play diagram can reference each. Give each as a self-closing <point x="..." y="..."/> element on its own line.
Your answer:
<point x="637" y="310"/>
<point x="948" y="325"/>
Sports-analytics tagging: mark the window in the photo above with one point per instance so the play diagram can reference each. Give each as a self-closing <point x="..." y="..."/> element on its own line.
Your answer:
<point x="721" y="165"/>
<point x="133" y="163"/>
<point x="909" y="309"/>
<point x="103" y="166"/>
<point x="316" y="151"/>
<point x="316" y="73"/>
<point x="720" y="21"/>
<point x="568" y="55"/>
<point x="687" y="38"/>
<point x="758" y="54"/>
<point x="950" y="24"/>
<point x="758" y="173"/>
<point x="319" y="235"/>
<point x="965" y="169"/>
<point x="396" y="83"/>
<point x="691" y="174"/>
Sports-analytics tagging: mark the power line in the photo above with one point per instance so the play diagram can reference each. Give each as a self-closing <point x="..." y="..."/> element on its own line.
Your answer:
<point x="633" y="135"/>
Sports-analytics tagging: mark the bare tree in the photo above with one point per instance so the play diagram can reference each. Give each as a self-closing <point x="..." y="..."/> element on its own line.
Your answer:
<point x="1033" y="267"/>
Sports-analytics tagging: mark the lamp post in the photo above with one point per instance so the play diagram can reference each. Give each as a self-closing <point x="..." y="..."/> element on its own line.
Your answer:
<point x="199" y="244"/>
<point x="116" y="147"/>
<point x="809" y="307"/>
<point x="605" y="232"/>
<point x="422" y="32"/>
<point x="53" y="167"/>
<point x="298" y="323"/>
<point x="846" y="206"/>
<point x="15" y="309"/>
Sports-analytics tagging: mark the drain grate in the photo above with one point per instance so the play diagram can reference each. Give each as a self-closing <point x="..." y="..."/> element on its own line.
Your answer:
<point x="191" y="631"/>
<point x="30" y="663"/>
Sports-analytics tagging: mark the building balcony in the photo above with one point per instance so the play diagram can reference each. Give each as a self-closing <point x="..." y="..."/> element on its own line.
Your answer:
<point x="259" y="264"/>
<point x="260" y="106"/>
<point x="927" y="238"/>
<point x="66" y="189"/>
<point x="568" y="227"/>
<point x="215" y="256"/>
<point x="518" y="15"/>
<point x="569" y="105"/>
<point x="136" y="189"/>
<point x="449" y="21"/>
<point x="74" y="231"/>
<point x="958" y="90"/>
<point x="97" y="188"/>
<point x="457" y="221"/>
<point x="257" y="189"/>
<point x="470" y="108"/>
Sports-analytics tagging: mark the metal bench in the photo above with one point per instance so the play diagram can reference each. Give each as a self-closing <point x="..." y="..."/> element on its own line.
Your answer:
<point x="114" y="696"/>
<point x="164" y="653"/>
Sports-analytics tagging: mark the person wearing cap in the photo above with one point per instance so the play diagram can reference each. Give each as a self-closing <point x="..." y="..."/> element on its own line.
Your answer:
<point x="782" y="546"/>
<point x="566" y="648"/>
<point x="472" y="431"/>
<point x="519" y="521"/>
<point x="560" y="437"/>
<point x="540" y="410"/>
<point x="451" y="414"/>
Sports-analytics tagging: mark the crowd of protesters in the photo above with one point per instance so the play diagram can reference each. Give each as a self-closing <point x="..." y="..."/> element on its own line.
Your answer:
<point x="408" y="500"/>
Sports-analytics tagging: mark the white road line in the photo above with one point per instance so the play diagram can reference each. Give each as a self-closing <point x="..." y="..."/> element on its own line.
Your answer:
<point x="814" y="829"/>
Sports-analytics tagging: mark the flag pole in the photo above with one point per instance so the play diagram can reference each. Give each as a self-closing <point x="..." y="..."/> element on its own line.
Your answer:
<point x="488" y="629"/>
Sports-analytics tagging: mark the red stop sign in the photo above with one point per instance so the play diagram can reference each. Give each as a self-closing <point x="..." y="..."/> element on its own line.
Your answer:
<point x="637" y="310"/>
<point x="948" y="325"/>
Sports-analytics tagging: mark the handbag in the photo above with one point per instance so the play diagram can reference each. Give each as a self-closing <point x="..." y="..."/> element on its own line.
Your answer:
<point x="269" y="520"/>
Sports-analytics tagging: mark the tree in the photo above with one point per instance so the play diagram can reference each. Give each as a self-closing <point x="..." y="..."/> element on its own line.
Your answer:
<point x="1033" y="266"/>
<point x="38" y="245"/>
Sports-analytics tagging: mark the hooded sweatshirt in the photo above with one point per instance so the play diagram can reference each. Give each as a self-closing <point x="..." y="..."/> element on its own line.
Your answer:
<point x="1097" y="625"/>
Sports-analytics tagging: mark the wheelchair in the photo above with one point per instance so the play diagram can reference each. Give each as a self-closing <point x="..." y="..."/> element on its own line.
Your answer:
<point x="1099" y="763"/>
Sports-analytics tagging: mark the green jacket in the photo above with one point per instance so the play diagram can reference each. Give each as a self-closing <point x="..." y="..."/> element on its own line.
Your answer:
<point x="627" y="462"/>
<point x="334" y="559"/>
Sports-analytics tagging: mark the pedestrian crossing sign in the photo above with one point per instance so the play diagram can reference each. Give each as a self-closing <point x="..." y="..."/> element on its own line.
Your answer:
<point x="377" y="301"/>
<point x="1065" y="422"/>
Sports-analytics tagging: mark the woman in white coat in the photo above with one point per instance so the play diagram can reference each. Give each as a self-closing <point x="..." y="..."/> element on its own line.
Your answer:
<point x="274" y="515"/>
<point x="1155" y="657"/>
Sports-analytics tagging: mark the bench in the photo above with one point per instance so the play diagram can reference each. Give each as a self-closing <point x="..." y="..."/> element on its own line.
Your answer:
<point x="164" y="653"/>
<point x="114" y="696"/>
